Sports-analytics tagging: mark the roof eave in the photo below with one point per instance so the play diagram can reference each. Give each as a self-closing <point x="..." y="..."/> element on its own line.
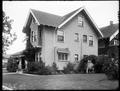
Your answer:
<point x="83" y="8"/>
<point x="63" y="23"/>
<point x="113" y="35"/>
<point x="30" y="12"/>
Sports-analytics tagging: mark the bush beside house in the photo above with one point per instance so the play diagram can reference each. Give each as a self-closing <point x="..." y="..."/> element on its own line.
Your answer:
<point x="111" y="69"/>
<point x="69" y="68"/>
<point x="40" y="68"/>
<point x="12" y="65"/>
<point x="82" y="65"/>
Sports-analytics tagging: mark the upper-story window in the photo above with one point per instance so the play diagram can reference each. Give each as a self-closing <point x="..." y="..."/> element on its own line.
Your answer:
<point x="116" y="42"/>
<point x="76" y="37"/>
<point x="33" y="36"/>
<point x="90" y="40"/>
<point x="80" y="21"/>
<point x="84" y="38"/>
<point x="60" y="35"/>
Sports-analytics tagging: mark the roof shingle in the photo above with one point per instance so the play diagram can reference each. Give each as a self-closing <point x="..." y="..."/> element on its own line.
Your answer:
<point x="109" y="30"/>
<point x="51" y="19"/>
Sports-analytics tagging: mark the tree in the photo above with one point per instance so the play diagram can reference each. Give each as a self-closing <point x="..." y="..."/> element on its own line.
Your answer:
<point x="7" y="36"/>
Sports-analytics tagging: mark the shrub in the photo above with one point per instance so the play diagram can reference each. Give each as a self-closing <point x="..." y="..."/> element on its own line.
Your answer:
<point x="53" y="69"/>
<point x="37" y="68"/>
<point x="12" y="65"/>
<point x="82" y="64"/>
<point x="69" y="68"/>
<point x="111" y="69"/>
<point x="99" y="63"/>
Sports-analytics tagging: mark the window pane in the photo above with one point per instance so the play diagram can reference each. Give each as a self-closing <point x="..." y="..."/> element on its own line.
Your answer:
<point x="60" y="33"/>
<point x="76" y="57"/>
<point x="60" y="38"/>
<point x="80" y="20"/>
<point x="91" y="38"/>
<point x="62" y="56"/>
<point x="84" y="38"/>
<point x="90" y="43"/>
<point x="66" y="56"/>
<point x="76" y="36"/>
<point x="59" y="56"/>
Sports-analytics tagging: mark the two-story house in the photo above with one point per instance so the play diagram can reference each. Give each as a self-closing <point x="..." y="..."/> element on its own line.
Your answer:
<point x="62" y="39"/>
<point x="108" y="45"/>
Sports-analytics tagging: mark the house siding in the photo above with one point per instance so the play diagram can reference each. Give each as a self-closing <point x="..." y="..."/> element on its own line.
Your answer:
<point x="79" y="47"/>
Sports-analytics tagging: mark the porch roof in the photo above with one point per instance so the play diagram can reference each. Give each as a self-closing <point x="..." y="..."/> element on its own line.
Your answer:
<point x="63" y="50"/>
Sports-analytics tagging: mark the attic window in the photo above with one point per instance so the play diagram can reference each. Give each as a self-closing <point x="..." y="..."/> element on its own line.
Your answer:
<point x="80" y="21"/>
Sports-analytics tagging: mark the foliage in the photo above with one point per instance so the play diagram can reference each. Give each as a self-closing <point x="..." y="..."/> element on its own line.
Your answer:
<point x="37" y="68"/>
<point x="53" y="69"/>
<point x="7" y="36"/>
<point x="111" y="68"/>
<point x="82" y="65"/>
<point x="99" y="63"/>
<point x="12" y="65"/>
<point x="69" y="68"/>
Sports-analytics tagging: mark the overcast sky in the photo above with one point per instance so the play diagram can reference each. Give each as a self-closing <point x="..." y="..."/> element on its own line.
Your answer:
<point x="102" y="13"/>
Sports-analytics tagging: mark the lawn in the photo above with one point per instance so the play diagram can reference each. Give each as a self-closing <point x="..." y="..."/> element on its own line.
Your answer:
<point x="67" y="81"/>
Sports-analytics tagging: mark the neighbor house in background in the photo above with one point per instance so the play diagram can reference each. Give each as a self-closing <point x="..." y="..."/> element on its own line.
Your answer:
<point x="108" y="45"/>
<point x="61" y="39"/>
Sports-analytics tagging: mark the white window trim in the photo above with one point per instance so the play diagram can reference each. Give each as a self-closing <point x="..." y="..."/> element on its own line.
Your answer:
<point x="63" y="36"/>
<point x="92" y="40"/>
<point x="83" y="38"/>
<point x="76" y="35"/>
<point x="63" y="57"/>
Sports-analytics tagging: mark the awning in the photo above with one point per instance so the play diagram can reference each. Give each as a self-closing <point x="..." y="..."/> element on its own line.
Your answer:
<point x="63" y="50"/>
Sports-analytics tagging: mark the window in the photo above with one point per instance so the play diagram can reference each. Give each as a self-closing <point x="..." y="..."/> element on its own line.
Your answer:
<point x="35" y="37"/>
<point x="62" y="56"/>
<point x="76" y="57"/>
<point x="90" y="40"/>
<point x="84" y="38"/>
<point x="60" y="35"/>
<point x="115" y="42"/>
<point x="76" y="37"/>
<point x="32" y="36"/>
<point x="80" y="21"/>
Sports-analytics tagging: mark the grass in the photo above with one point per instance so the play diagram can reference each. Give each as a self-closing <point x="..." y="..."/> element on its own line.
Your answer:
<point x="68" y="81"/>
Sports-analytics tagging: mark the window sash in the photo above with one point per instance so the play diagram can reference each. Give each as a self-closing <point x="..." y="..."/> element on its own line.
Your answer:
<point x="60" y="35"/>
<point x="90" y="40"/>
<point x="84" y="38"/>
<point x="62" y="56"/>
<point x="76" y="57"/>
<point x="80" y="20"/>
<point x="76" y="36"/>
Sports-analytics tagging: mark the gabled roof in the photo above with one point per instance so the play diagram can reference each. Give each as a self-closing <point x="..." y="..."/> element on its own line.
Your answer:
<point x="108" y="31"/>
<point x="59" y="21"/>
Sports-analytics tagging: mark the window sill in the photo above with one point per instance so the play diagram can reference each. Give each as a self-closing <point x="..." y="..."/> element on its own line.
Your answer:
<point x="76" y="40"/>
<point x="63" y="60"/>
<point x="60" y="41"/>
<point x="84" y="41"/>
<point x="90" y="45"/>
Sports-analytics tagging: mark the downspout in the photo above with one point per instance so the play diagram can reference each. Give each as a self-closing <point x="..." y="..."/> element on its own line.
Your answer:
<point x="54" y="44"/>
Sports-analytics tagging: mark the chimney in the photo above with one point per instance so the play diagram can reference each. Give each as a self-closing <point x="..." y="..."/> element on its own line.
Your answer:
<point x="111" y="22"/>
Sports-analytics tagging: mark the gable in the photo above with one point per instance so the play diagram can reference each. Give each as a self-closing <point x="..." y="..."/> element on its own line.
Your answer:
<point x="108" y="31"/>
<point x="59" y="21"/>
